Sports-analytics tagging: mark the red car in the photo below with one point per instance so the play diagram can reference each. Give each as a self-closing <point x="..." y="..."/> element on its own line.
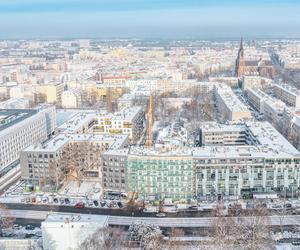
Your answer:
<point x="79" y="205"/>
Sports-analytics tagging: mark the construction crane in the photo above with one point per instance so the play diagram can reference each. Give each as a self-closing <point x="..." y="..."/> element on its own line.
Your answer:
<point x="149" y="140"/>
<point x="109" y="99"/>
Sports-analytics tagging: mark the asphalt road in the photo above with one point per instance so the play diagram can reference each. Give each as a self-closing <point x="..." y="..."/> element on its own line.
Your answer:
<point x="99" y="211"/>
<point x="166" y="222"/>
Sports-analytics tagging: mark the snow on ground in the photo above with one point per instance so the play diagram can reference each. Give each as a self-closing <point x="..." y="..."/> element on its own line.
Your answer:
<point x="87" y="188"/>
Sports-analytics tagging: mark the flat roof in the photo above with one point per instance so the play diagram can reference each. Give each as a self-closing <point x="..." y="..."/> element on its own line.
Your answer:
<point x="102" y="220"/>
<point x="76" y="122"/>
<point x="10" y="117"/>
<point x="60" y="140"/>
<point x="128" y="113"/>
<point x="271" y="144"/>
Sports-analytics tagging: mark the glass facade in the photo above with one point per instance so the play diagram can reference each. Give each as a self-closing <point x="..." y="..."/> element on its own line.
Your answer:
<point x="160" y="177"/>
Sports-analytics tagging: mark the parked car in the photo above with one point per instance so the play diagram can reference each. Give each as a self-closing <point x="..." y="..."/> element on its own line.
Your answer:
<point x="29" y="227"/>
<point x="79" y="204"/>
<point x="67" y="201"/>
<point x="96" y="203"/>
<point x="161" y="215"/>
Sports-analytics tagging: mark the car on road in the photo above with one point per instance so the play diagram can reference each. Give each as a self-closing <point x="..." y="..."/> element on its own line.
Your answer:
<point x="29" y="227"/>
<point x="79" y="204"/>
<point x="160" y="215"/>
<point x="120" y="205"/>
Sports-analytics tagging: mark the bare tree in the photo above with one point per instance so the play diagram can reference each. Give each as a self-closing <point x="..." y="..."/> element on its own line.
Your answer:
<point x="224" y="228"/>
<point x="148" y="236"/>
<point x="6" y="219"/>
<point x="250" y="231"/>
<point x="254" y="229"/>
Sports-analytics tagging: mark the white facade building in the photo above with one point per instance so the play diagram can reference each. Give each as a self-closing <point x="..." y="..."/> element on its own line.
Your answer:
<point x="71" y="99"/>
<point x="288" y="94"/>
<point x="229" y="105"/>
<point x="18" y="130"/>
<point x="128" y="121"/>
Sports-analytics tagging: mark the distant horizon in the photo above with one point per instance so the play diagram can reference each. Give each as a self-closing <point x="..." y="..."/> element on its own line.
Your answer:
<point x="234" y="39"/>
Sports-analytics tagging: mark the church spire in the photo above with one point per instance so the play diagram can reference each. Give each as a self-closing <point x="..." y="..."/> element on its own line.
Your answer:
<point x="241" y="45"/>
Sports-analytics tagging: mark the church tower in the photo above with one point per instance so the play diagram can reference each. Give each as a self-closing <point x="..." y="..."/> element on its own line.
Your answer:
<point x="240" y="61"/>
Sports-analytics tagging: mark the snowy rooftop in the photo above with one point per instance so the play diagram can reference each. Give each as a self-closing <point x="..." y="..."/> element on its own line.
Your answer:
<point x="289" y="89"/>
<point x="115" y="141"/>
<point x="10" y="117"/>
<point x="230" y="99"/>
<point x="218" y="127"/>
<point x="174" y="152"/>
<point x="76" y="218"/>
<point x="271" y="144"/>
<point x="76" y="122"/>
<point x="128" y="113"/>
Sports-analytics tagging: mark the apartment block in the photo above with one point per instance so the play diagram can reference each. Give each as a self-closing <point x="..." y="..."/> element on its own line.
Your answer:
<point x="48" y="164"/>
<point x="228" y="104"/>
<point x="129" y="121"/>
<point x="266" y="162"/>
<point x="287" y="94"/>
<point x="155" y="175"/>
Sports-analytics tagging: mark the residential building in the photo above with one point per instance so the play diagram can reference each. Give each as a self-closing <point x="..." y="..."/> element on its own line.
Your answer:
<point x="52" y="92"/>
<point x="229" y="105"/>
<point x="266" y="162"/>
<point x="288" y="94"/>
<point x="71" y="99"/>
<point x="127" y="121"/>
<point x="155" y="175"/>
<point x="48" y="164"/>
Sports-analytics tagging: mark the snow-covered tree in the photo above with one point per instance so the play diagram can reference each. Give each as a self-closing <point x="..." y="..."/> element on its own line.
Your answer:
<point x="147" y="235"/>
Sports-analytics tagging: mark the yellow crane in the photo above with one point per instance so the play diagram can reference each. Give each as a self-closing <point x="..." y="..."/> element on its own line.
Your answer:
<point x="149" y="139"/>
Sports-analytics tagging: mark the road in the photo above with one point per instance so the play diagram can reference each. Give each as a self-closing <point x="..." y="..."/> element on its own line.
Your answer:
<point x="99" y="211"/>
<point x="202" y="222"/>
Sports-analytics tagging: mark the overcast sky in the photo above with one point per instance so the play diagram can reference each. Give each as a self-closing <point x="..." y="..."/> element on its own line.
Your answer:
<point x="149" y="18"/>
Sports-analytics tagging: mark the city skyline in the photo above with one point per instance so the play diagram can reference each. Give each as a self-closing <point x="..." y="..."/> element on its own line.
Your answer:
<point x="151" y="19"/>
